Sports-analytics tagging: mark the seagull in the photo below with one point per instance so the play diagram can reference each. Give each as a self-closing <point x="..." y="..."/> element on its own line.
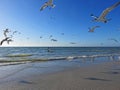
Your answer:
<point x="114" y="40"/>
<point x="50" y="36"/>
<point x="40" y="37"/>
<point x="93" y="28"/>
<point x="6" y="39"/>
<point x="62" y="33"/>
<point x="102" y="17"/>
<point x="54" y="40"/>
<point x="15" y="32"/>
<point x="49" y="3"/>
<point x="5" y="32"/>
<point x="72" y="43"/>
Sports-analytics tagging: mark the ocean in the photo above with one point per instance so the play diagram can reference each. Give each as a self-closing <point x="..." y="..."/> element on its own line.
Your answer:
<point x="32" y="54"/>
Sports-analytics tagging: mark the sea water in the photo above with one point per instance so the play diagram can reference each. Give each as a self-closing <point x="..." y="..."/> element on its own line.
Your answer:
<point x="19" y="54"/>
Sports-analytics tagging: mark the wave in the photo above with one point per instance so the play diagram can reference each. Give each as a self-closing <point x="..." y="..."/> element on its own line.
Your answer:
<point x="18" y="55"/>
<point x="24" y="61"/>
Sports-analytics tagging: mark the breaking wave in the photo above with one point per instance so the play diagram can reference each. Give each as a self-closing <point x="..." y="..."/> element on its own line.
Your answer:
<point x="30" y="60"/>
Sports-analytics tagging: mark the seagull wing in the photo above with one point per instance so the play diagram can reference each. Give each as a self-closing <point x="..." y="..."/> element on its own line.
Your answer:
<point x="3" y="41"/>
<point x="10" y="40"/>
<point x="93" y="28"/>
<point x="5" y="34"/>
<point x="97" y="26"/>
<point x="43" y="7"/>
<point x="107" y="10"/>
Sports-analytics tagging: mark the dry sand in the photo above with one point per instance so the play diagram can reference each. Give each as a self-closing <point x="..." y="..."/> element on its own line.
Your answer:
<point x="105" y="76"/>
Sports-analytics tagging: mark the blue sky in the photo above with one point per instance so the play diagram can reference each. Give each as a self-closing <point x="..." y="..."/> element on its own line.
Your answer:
<point x="71" y="17"/>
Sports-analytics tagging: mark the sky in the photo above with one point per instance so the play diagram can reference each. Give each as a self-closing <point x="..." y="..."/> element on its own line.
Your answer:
<point x="71" y="17"/>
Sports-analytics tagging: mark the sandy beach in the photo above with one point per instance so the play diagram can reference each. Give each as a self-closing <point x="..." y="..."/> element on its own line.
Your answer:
<point x="104" y="76"/>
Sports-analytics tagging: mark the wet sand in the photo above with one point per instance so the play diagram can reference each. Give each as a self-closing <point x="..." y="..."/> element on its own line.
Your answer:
<point x="104" y="76"/>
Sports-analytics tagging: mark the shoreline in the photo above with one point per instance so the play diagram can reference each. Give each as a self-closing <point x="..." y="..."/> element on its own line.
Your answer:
<point x="103" y="76"/>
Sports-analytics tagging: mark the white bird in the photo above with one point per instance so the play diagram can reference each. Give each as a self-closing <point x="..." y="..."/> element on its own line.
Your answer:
<point x="93" y="28"/>
<point x="102" y="17"/>
<point x="46" y="4"/>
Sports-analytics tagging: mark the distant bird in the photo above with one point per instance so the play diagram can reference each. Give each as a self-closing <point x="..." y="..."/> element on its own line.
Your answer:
<point x="46" y="4"/>
<point x="6" y="39"/>
<point x="50" y="36"/>
<point x="93" y="28"/>
<point x="72" y="43"/>
<point x="102" y="17"/>
<point x="54" y="40"/>
<point x="62" y="33"/>
<point x="15" y="32"/>
<point x="27" y="38"/>
<point x="114" y="40"/>
<point x="41" y="37"/>
<point x="19" y="33"/>
<point x="5" y="32"/>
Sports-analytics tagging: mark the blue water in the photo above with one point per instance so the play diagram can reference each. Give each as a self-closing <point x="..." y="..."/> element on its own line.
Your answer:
<point x="55" y="53"/>
<point x="58" y="59"/>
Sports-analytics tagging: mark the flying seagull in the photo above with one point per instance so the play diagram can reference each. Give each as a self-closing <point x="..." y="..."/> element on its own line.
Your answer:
<point x="102" y="17"/>
<point x="15" y="32"/>
<point x="114" y="40"/>
<point x="46" y="4"/>
<point x="62" y="33"/>
<point x="54" y="40"/>
<point x="72" y="43"/>
<point x="5" y="32"/>
<point x="41" y="37"/>
<point x="50" y="36"/>
<point x="6" y="39"/>
<point x="93" y="28"/>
